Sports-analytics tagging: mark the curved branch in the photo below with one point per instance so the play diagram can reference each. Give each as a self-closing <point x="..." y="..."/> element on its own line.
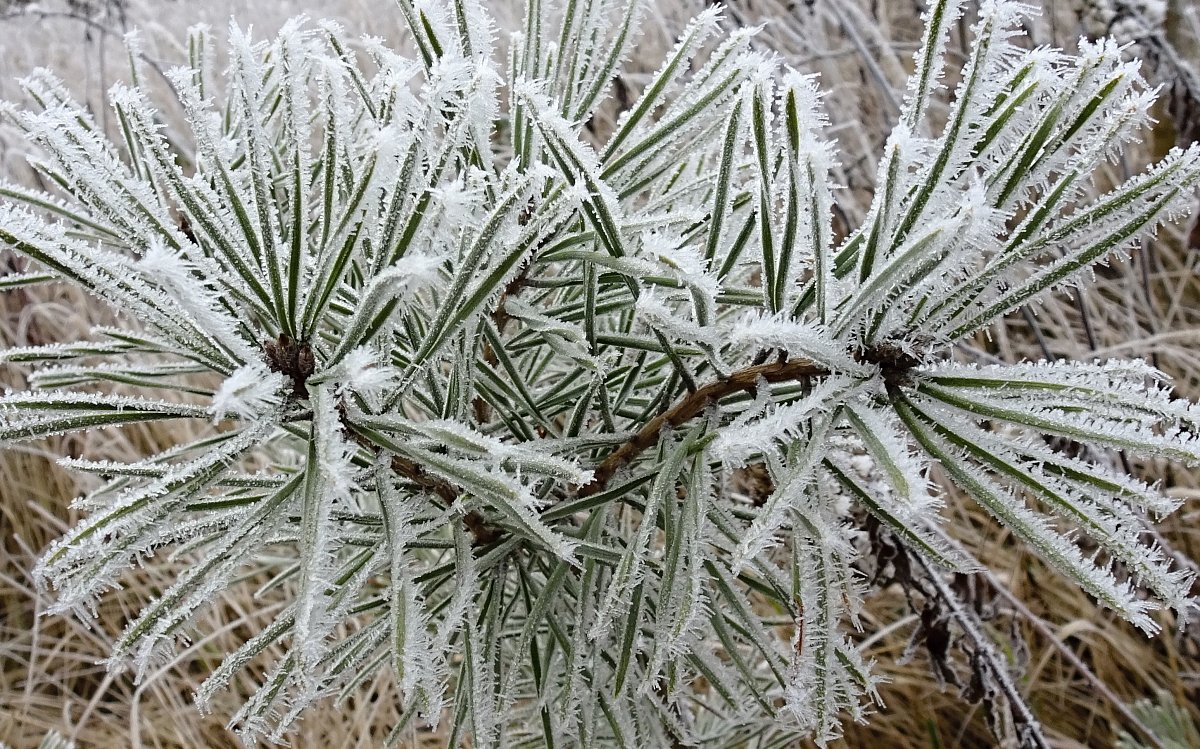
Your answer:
<point x="694" y="403"/>
<point x="646" y="437"/>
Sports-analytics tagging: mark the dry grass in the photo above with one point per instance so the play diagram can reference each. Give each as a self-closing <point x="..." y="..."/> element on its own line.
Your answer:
<point x="1074" y="712"/>
<point x="51" y="675"/>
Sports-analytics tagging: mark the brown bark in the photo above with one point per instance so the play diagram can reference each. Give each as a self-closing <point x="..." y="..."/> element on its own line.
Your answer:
<point x="690" y="406"/>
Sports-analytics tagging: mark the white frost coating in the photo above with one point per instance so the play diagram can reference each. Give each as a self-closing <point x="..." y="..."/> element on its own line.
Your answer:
<point x="661" y="316"/>
<point x="699" y="30"/>
<point x="939" y="19"/>
<point x="364" y="371"/>
<point x="760" y="330"/>
<point x="247" y="394"/>
<point x="794" y="492"/>
<point x="329" y="484"/>
<point x="461" y="201"/>
<point x="514" y="343"/>
<point x="1055" y="548"/>
<point x="419" y="664"/>
<point x="891" y="459"/>
<point x="682" y="260"/>
<point x="176" y="275"/>
<point x="734" y="446"/>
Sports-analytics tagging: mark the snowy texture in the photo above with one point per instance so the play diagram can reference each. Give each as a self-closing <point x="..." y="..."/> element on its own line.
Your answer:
<point x="484" y="381"/>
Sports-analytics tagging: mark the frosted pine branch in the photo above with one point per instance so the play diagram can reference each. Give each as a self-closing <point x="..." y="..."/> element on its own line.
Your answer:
<point x="575" y="430"/>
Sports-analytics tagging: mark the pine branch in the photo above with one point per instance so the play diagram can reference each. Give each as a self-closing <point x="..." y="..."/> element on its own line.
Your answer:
<point x="326" y="248"/>
<point x="481" y="531"/>
<point x="418" y="476"/>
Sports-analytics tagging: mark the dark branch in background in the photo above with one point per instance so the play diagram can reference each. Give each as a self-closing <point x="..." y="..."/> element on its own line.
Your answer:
<point x="91" y="24"/>
<point x="43" y="15"/>
<point x="950" y="619"/>
<point x="918" y="578"/>
<point x="989" y="669"/>
<point x="500" y="318"/>
<point x="1052" y="639"/>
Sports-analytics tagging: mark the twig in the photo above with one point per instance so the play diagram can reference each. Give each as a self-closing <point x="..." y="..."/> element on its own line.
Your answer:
<point x="693" y="404"/>
<point x="1046" y="633"/>
<point x="102" y="29"/>
<point x="1031" y="732"/>
<point x="482" y="532"/>
<point x="867" y="56"/>
<point x="500" y="318"/>
<point x="415" y="473"/>
<point x="685" y="410"/>
<point x="743" y="379"/>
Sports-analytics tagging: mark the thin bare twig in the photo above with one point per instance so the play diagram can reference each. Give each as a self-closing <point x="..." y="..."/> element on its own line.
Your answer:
<point x="690" y="406"/>
<point x="1030" y="729"/>
<point x="1042" y="628"/>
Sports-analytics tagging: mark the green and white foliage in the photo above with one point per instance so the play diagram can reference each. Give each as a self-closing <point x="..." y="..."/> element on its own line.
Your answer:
<point x="485" y="382"/>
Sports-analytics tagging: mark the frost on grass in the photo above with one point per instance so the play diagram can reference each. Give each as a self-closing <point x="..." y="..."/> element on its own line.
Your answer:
<point x="478" y="386"/>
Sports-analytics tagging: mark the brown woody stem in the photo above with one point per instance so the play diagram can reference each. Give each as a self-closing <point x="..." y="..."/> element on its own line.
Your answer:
<point x="483" y="533"/>
<point x="500" y="318"/>
<point x="448" y="493"/>
<point x="694" y="403"/>
<point x="646" y="437"/>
